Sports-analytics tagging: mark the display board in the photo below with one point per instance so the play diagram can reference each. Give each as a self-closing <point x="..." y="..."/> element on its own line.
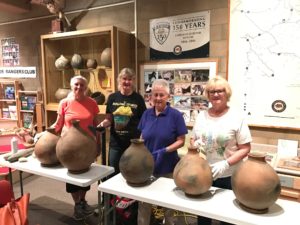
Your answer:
<point x="264" y="61"/>
<point x="187" y="80"/>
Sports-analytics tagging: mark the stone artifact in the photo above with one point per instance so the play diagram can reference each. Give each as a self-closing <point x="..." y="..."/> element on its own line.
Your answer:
<point x="76" y="149"/>
<point x="45" y="148"/>
<point x="137" y="164"/>
<point x="255" y="184"/>
<point x="192" y="173"/>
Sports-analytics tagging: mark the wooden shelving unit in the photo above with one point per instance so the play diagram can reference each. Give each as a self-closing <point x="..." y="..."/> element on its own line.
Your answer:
<point x="8" y="103"/>
<point x="89" y="43"/>
<point x="30" y="108"/>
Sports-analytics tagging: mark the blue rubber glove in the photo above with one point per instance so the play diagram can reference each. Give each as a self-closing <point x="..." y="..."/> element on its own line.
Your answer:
<point x="158" y="156"/>
<point x="158" y="152"/>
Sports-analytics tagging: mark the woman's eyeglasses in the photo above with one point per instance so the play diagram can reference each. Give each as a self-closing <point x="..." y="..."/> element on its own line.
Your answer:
<point x="212" y="92"/>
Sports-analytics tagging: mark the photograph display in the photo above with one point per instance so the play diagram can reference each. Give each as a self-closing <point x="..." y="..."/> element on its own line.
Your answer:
<point x="187" y="80"/>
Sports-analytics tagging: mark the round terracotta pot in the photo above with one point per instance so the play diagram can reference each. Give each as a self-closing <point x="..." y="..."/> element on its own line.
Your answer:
<point x="106" y="57"/>
<point x="62" y="93"/>
<point x="45" y="148"/>
<point x="255" y="184"/>
<point x="76" y="149"/>
<point x="62" y="63"/>
<point x="136" y="164"/>
<point x="192" y="173"/>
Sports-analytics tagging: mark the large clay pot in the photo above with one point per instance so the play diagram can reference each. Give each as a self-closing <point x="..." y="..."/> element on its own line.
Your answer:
<point x="62" y="93"/>
<point x="45" y="148"/>
<point x="192" y="173"/>
<point x="62" y="63"/>
<point x="255" y="184"/>
<point x="106" y="57"/>
<point x="136" y="164"/>
<point x="77" y="61"/>
<point x="76" y="149"/>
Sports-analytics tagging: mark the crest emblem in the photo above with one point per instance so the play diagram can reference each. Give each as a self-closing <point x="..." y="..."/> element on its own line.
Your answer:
<point x="161" y="31"/>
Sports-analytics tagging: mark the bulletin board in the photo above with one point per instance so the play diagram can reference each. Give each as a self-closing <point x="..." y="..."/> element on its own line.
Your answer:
<point x="187" y="80"/>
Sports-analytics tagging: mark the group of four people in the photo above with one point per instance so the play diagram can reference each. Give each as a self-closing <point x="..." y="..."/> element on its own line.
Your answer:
<point x="222" y="133"/>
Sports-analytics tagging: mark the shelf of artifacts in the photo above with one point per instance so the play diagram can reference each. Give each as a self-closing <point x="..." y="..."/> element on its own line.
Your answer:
<point x="98" y="54"/>
<point x="8" y="103"/>
<point x="30" y="109"/>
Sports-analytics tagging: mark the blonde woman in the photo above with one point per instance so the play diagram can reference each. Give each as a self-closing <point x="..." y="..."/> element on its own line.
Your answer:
<point x="126" y="96"/>
<point x="222" y="133"/>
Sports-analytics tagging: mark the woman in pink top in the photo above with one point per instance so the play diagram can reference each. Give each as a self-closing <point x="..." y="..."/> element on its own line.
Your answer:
<point x="77" y="105"/>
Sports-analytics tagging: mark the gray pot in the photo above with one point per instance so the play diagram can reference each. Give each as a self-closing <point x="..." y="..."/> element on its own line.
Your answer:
<point x="77" y="61"/>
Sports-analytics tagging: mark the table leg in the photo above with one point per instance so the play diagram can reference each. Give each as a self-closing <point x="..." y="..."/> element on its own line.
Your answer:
<point x="10" y="179"/>
<point x="106" y="212"/>
<point x="21" y="181"/>
<point x="100" y="212"/>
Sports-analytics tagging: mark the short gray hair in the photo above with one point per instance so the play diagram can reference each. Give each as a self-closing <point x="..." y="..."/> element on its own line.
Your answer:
<point x="161" y="83"/>
<point x="78" y="77"/>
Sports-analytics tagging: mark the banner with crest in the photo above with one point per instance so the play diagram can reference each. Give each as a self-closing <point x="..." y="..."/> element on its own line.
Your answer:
<point x="179" y="37"/>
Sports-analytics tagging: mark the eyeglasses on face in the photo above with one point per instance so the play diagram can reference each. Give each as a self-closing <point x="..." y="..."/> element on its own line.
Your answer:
<point x="217" y="91"/>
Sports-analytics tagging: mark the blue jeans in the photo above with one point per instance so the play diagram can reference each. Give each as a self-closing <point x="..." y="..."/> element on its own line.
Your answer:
<point x="114" y="156"/>
<point x="220" y="183"/>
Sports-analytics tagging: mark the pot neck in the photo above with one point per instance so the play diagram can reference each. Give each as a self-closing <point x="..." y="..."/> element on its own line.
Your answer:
<point x="137" y="141"/>
<point x="193" y="150"/>
<point x="75" y="123"/>
<point x="51" y="130"/>
<point x="257" y="157"/>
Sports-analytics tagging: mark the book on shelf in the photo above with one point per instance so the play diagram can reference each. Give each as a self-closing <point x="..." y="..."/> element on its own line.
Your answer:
<point x="28" y="102"/>
<point x="5" y="113"/>
<point x="12" y="111"/>
<point x="27" y="119"/>
<point x="10" y="92"/>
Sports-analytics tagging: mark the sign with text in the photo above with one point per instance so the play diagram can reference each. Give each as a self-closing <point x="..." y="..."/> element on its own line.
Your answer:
<point x="182" y="36"/>
<point x="18" y="72"/>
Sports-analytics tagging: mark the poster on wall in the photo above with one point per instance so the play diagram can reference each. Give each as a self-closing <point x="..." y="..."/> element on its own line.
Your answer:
<point x="179" y="37"/>
<point x="187" y="80"/>
<point x="264" y="61"/>
<point x="10" y="52"/>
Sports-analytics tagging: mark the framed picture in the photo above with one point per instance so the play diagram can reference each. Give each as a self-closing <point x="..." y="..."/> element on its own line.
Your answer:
<point x="187" y="80"/>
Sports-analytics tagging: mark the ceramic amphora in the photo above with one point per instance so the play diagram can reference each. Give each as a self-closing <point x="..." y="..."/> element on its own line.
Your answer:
<point x="136" y="163"/>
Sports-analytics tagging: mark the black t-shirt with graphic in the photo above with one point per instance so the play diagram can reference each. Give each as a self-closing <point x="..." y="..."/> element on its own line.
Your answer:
<point x="120" y="138"/>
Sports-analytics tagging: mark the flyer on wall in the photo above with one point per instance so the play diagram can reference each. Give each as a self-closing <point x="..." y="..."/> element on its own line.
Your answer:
<point x="181" y="36"/>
